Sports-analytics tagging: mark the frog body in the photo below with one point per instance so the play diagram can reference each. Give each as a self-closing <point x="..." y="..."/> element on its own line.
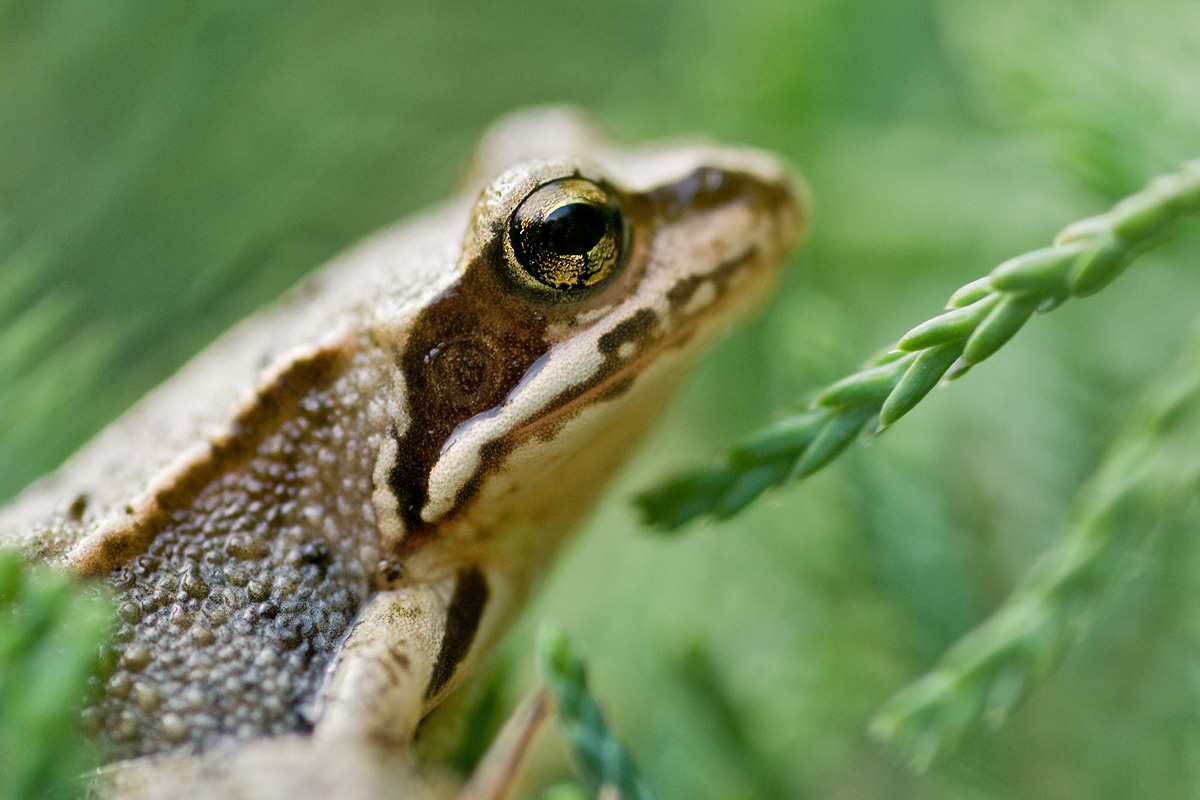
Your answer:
<point x="318" y="525"/>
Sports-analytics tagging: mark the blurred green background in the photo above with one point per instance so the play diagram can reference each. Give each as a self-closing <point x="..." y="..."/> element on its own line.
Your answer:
<point x="165" y="168"/>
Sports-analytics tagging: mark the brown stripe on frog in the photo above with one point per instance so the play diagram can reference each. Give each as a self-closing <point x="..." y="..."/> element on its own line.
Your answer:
<point x="462" y="623"/>
<point x="465" y="354"/>
<point x="681" y="293"/>
<point x="275" y="400"/>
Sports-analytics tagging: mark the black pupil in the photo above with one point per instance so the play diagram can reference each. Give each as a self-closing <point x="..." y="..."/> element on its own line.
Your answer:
<point x="573" y="229"/>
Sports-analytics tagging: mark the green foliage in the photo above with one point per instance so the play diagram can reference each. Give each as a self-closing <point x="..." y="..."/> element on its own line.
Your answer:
<point x="50" y="636"/>
<point x="1152" y="470"/>
<point x="983" y="315"/>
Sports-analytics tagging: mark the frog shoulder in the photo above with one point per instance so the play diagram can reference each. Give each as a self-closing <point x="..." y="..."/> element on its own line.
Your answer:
<point x="176" y="435"/>
<point x="222" y="399"/>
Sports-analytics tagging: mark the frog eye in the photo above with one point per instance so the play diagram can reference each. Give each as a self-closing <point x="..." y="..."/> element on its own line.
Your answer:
<point x="567" y="235"/>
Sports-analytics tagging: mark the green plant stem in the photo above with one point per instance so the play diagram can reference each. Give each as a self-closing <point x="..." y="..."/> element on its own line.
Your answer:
<point x="980" y="318"/>
<point x="603" y="762"/>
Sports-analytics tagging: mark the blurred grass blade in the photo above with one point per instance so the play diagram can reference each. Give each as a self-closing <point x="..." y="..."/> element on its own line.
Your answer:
<point x="1151" y="474"/>
<point x="50" y="635"/>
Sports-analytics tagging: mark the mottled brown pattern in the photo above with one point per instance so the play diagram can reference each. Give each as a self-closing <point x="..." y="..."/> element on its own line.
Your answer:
<point x="242" y="529"/>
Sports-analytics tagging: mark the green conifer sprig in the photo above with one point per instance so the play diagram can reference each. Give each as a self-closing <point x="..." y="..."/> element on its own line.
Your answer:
<point x="602" y="761"/>
<point x="1151" y="473"/>
<point x="980" y="317"/>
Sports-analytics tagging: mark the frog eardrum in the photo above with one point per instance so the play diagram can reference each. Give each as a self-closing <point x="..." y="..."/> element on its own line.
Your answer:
<point x="568" y="236"/>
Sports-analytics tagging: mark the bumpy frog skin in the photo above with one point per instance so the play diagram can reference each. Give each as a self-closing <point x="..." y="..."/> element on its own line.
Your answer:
<point x="319" y="524"/>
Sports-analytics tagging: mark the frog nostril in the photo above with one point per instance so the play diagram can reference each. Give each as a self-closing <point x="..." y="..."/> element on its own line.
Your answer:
<point x="704" y="181"/>
<point x="702" y="188"/>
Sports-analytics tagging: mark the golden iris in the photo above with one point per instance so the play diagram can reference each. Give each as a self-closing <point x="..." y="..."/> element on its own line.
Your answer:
<point x="567" y="235"/>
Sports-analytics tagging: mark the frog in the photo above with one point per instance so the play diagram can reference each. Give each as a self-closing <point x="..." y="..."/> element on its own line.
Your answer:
<point x="324" y="521"/>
